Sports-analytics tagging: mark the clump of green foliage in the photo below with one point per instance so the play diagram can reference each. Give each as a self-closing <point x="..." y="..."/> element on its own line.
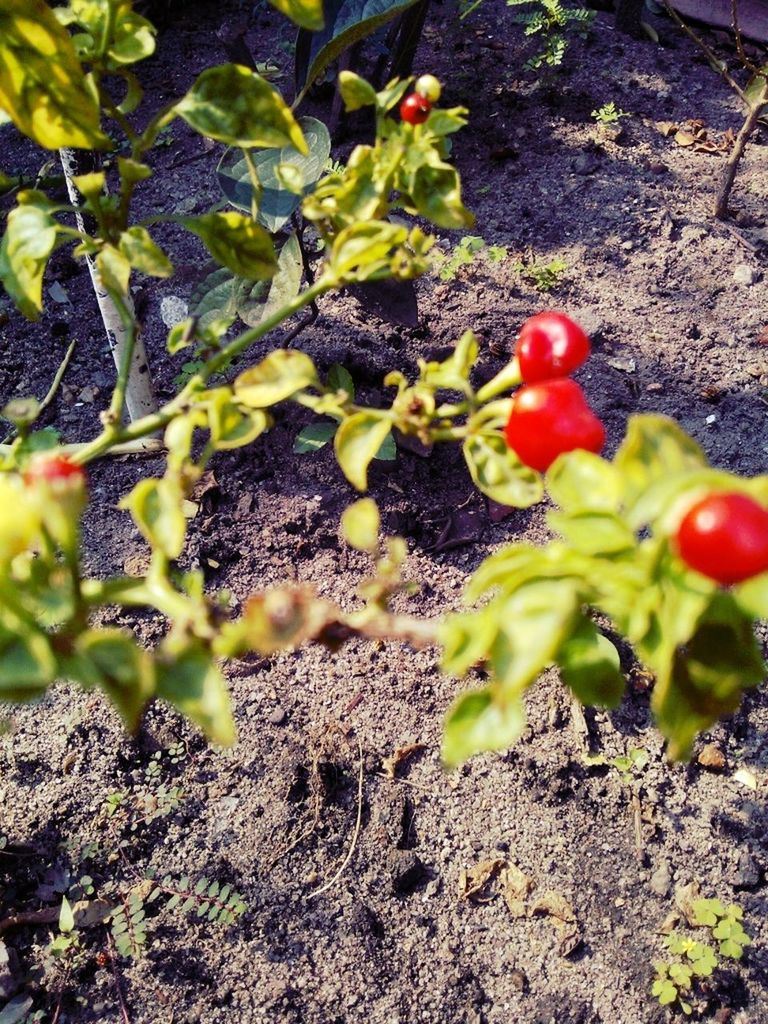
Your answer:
<point x="465" y="253"/>
<point x="609" y="114"/>
<point x="543" y="276"/>
<point x="675" y="980"/>
<point x="551" y="20"/>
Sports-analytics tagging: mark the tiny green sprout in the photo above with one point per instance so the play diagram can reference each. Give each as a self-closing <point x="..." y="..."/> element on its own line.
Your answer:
<point x="608" y="114"/>
<point x="543" y="276"/>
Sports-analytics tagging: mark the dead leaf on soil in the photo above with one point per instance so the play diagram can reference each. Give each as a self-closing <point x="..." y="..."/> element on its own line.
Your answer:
<point x="556" y="906"/>
<point x="401" y="754"/>
<point x="666" y="128"/>
<point x="473" y="881"/>
<point x="627" y="365"/>
<point x="696" y="136"/>
<point x="515" y="888"/>
<point x="685" y="897"/>
<point x="670" y="922"/>
<point x="746" y="778"/>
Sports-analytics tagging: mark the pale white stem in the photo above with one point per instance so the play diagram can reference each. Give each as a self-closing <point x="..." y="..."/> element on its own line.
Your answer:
<point x="139" y="396"/>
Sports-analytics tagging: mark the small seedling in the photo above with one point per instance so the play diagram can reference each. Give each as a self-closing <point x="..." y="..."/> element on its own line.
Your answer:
<point x="551" y="21"/>
<point x="675" y="980"/>
<point x="609" y="114"/>
<point x="465" y="252"/>
<point x="627" y="765"/>
<point x="543" y="276"/>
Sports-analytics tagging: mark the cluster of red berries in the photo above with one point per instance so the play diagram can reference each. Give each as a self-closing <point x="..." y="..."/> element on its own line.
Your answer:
<point x="723" y="535"/>
<point x="550" y="414"/>
<point x="417" y="106"/>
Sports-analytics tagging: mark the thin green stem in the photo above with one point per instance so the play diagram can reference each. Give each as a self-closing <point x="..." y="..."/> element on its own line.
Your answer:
<point x="157" y="420"/>
<point x="115" y="411"/>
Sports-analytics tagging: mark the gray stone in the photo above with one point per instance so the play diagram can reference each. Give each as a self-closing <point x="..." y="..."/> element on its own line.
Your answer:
<point x="173" y="310"/>
<point x="278" y="715"/>
<point x="661" y="879"/>
<point x="746" y="275"/>
<point x="746" y="874"/>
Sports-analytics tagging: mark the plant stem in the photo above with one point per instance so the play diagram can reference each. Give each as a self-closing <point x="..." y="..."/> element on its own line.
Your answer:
<point x="732" y="164"/>
<point x="710" y="55"/>
<point x="156" y="421"/>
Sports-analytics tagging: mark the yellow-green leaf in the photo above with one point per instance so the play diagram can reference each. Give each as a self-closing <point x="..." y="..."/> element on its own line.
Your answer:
<point x="42" y="85"/>
<point x="360" y="525"/>
<point x="144" y="254"/>
<point x="281" y="374"/>
<point x="357" y="442"/>
<point x="232" y="104"/>
<point x="237" y="242"/>
<point x="27" y="243"/>
<point x="498" y="472"/>
<point x="194" y="685"/>
<point x="156" y="509"/>
<point x="114" y="270"/>
<point x="304" y="13"/>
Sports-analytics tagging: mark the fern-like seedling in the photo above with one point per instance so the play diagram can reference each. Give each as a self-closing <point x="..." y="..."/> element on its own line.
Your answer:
<point x="129" y="928"/>
<point x="208" y="899"/>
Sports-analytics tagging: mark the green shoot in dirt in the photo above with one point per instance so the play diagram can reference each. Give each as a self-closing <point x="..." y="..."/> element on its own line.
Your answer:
<point x="544" y="277"/>
<point x="551" y="21"/>
<point x="627" y="765"/>
<point x="464" y="254"/>
<point x="675" y="980"/>
<point x="609" y="114"/>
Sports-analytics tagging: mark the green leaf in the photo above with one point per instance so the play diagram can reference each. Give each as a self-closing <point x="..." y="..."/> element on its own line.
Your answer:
<point x="253" y="308"/>
<point x="708" y="674"/>
<point x="360" y="524"/>
<point x="237" y="242"/>
<point x="497" y="471"/>
<point x="305" y="13"/>
<point x="467" y="638"/>
<point x="230" y="425"/>
<point x="435" y="189"/>
<point x="388" y="450"/>
<point x="346" y="23"/>
<point x="593" y="533"/>
<point x="340" y="379"/>
<point x="24" y="251"/>
<point x="114" y="269"/>
<point x="27" y="664"/>
<point x="214" y="299"/>
<point x="275" y="202"/>
<point x="481" y="720"/>
<point x="752" y="596"/>
<point x="589" y="665"/>
<point x="42" y="86"/>
<point x="655" y="448"/>
<point x="355" y="91"/>
<point x="110" y="659"/>
<point x="281" y="374"/>
<point x="232" y="104"/>
<point x="357" y="441"/>
<point x="665" y="991"/>
<point x="194" y="685"/>
<point x="313" y="437"/>
<point x="66" y="917"/>
<point x="143" y="254"/>
<point x="156" y="509"/>
<point x="365" y="249"/>
<point x="583" y="482"/>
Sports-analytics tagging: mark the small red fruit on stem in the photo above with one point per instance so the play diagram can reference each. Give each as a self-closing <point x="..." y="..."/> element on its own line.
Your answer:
<point x="725" y="537"/>
<point x="551" y="418"/>
<point x="550" y="345"/>
<point x="415" y="109"/>
<point x="53" y="469"/>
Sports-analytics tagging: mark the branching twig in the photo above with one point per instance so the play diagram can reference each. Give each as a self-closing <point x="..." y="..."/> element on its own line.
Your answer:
<point x="707" y="51"/>
<point x="116" y="976"/>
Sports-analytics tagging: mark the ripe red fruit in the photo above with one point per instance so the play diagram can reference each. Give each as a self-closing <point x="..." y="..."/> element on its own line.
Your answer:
<point x="53" y="469"/>
<point x="550" y="345"/>
<point x="415" y="109"/>
<point x="725" y="537"/>
<point x="550" y="418"/>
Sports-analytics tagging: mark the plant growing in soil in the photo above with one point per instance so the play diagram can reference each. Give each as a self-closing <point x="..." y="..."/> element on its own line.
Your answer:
<point x="676" y="980"/>
<point x="617" y="557"/>
<point x="608" y="114"/>
<point x="551" y="21"/>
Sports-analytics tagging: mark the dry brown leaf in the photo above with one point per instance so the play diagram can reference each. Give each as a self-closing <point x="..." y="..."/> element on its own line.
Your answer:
<point x="684" y="138"/>
<point x="666" y="128"/>
<point x="472" y="881"/>
<point x="711" y="756"/>
<point x="556" y="906"/>
<point x="515" y="888"/>
<point x="670" y="922"/>
<point x="395" y="760"/>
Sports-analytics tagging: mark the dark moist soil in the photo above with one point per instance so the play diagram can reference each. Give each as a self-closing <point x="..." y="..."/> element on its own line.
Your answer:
<point x="661" y="288"/>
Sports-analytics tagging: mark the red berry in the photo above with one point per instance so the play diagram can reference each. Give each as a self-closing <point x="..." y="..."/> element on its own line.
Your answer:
<point x="550" y="345"/>
<point x="725" y="537"/>
<point x="415" y="109"/>
<point x="550" y="418"/>
<point x="53" y="469"/>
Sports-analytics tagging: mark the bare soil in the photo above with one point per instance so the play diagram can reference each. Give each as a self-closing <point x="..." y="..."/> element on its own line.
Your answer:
<point x="663" y="289"/>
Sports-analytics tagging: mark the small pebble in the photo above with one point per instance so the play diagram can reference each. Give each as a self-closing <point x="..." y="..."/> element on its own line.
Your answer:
<point x="711" y="756"/>
<point x="744" y="274"/>
<point x="278" y="715"/>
